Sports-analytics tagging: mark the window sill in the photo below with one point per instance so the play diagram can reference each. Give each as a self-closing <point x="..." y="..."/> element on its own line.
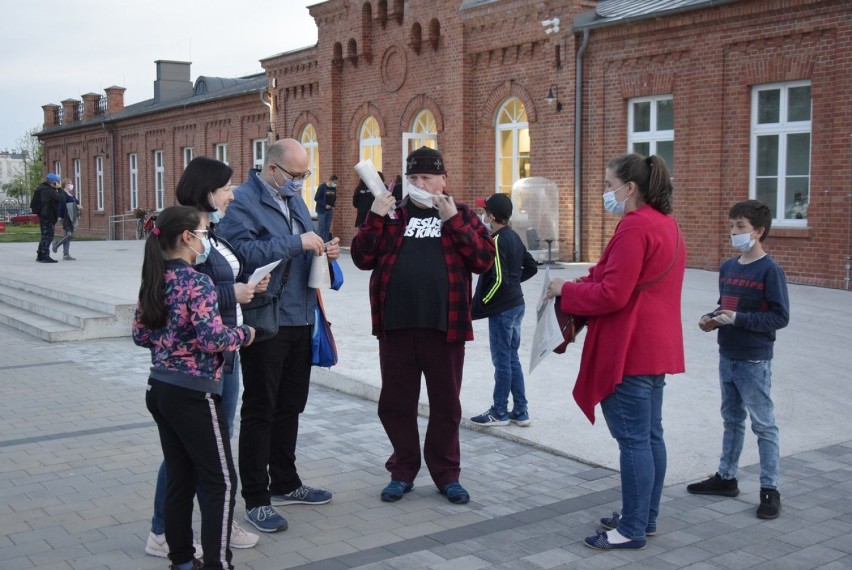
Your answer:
<point x="788" y="232"/>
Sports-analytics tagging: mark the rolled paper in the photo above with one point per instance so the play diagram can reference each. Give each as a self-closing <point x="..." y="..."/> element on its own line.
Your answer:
<point x="368" y="173"/>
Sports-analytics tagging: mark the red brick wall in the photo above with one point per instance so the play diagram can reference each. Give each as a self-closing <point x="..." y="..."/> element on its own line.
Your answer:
<point x="708" y="60"/>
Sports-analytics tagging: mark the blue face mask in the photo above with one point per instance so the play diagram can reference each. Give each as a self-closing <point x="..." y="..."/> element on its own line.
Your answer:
<point x="214" y="217"/>
<point x="291" y="188"/>
<point x="202" y="257"/>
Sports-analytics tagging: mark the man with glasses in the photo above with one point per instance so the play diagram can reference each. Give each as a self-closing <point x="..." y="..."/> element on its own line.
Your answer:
<point x="269" y="221"/>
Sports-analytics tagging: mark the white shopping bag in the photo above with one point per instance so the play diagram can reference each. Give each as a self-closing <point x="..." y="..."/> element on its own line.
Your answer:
<point x="547" y="334"/>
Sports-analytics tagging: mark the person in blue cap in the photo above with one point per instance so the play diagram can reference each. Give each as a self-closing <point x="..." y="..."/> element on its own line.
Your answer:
<point x="46" y="202"/>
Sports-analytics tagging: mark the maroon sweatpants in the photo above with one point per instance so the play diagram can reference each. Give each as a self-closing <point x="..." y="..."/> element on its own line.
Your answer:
<point x="404" y="355"/>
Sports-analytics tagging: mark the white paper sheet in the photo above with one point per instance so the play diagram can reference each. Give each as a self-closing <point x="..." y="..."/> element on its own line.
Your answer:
<point x="547" y="334"/>
<point x="262" y="272"/>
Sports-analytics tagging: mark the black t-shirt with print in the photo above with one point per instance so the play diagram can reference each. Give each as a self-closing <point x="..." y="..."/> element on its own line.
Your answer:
<point x="418" y="285"/>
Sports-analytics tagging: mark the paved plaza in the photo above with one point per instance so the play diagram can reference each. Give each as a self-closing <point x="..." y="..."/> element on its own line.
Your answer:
<point x="79" y="452"/>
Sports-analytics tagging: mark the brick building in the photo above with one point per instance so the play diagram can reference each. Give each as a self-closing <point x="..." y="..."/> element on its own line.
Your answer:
<point x="741" y="97"/>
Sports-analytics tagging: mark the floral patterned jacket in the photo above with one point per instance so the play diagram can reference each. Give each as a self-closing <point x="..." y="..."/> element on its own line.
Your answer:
<point x="187" y="351"/>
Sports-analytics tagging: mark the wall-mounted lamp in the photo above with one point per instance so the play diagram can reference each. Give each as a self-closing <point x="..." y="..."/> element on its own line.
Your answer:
<point x="269" y="128"/>
<point x="553" y="95"/>
<point x="551" y="26"/>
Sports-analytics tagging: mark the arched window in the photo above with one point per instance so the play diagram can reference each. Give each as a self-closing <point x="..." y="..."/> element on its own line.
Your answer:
<point x="370" y="141"/>
<point x="424" y="132"/>
<point x="309" y="142"/>
<point x="512" y="145"/>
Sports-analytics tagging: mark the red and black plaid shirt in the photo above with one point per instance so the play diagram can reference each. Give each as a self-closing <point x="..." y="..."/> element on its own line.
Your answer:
<point x="467" y="249"/>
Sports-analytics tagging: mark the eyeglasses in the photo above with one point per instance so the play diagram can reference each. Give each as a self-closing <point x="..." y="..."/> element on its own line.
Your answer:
<point x="296" y="177"/>
<point x="204" y="232"/>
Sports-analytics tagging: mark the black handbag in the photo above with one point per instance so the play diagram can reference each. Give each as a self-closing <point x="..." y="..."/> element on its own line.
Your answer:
<point x="262" y="314"/>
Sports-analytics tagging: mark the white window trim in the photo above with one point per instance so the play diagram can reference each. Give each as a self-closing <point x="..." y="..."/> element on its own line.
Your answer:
<point x="258" y="158"/>
<point x="369" y="142"/>
<point x="57" y="168"/>
<point x="782" y="129"/>
<point x="99" y="178"/>
<point x="133" y="169"/>
<point x="654" y="135"/>
<point x="78" y="180"/>
<point x="188" y="155"/>
<point x="516" y="128"/>
<point x="159" y="180"/>
<point x="222" y="152"/>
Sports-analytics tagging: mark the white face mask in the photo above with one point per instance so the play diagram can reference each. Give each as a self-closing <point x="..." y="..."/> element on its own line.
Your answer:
<point x="742" y="242"/>
<point x="422" y="197"/>
<point x="611" y="203"/>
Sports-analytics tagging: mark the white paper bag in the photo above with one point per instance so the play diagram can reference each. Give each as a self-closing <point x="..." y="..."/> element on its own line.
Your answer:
<point x="319" y="277"/>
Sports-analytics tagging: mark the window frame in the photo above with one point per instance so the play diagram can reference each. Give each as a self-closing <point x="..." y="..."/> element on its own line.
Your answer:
<point x="221" y="152"/>
<point x="78" y="179"/>
<point x="258" y="157"/>
<point x="515" y="127"/>
<point x="783" y="129"/>
<point x="133" y="175"/>
<point x="159" y="180"/>
<point x="309" y="140"/>
<point x="188" y="155"/>
<point x="99" y="183"/>
<point x="654" y="136"/>
<point x="367" y="146"/>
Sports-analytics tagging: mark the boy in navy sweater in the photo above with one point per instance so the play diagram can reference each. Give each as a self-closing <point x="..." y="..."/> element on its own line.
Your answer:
<point x="753" y="304"/>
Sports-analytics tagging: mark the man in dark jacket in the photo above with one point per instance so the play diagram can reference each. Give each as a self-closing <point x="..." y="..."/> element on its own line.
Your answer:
<point x="48" y="197"/>
<point x="500" y="298"/>
<point x="269" y="221"/>
<point x="325" y="199"/>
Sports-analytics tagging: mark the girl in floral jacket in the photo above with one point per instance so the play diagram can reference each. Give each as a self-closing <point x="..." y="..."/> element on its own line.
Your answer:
<point x="178" y="319"/>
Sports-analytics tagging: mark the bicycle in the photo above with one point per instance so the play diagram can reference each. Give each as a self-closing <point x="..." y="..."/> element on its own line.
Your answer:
<point x="145" y="223"/>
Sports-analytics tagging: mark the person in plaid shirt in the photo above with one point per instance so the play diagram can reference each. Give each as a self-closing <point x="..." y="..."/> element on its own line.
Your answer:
<point x="420" y="290"/>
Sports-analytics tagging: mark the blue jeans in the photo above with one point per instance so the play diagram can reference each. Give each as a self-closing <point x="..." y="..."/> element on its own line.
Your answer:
<point x="230" y="395"/>
<point x="745" y="387"/>
<point x="634" y="415"/>
<point x="324" y="224"/>
<point x="504" y="336"/>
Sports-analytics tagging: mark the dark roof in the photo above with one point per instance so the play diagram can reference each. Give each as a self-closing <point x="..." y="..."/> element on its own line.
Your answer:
<point x="205" y="89"/>
<point x="613" y="12"/>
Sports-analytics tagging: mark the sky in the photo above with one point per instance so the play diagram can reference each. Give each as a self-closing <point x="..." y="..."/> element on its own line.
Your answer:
<point x="54" y="50"/>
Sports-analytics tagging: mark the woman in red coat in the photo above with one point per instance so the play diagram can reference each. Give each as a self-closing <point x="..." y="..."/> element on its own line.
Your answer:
<point x="632" y="299"/>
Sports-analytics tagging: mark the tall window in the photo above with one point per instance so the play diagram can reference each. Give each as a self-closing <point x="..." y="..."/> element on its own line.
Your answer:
<point x="99" y="179"/>
<point x="134" y="180"/>
<point x="781" y="149"/>
<point x="309" y="141"/>
<point x="159" y="180"/>
<point x="651" y="127"/>
<point x="258" y="153"/>
<point x="370" y="141"/>
<point x="222" y="152"/>
<point x="513" y="145"/>
<point x="78" y="180"/>
<point x="57" y="168"/>
<point x="424" y="132"/>
<point x="188" y="155"/>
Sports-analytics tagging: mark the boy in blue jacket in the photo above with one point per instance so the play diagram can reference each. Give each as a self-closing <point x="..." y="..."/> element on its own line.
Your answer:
<point x="753" y="304"/>
<point x="499" y="298"/>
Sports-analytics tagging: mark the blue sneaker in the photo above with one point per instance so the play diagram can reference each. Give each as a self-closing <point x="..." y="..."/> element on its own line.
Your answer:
<point x="395" y="490"/>
<point x="520" y="418"/>
<point x="491" y="418"/>
<point x="455" y="493"/>
<point x="601" y="542"/>
<point x="266" y="519"/>
<point x="304" y="495"/>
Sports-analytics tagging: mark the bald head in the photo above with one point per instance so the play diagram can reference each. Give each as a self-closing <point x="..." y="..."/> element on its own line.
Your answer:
<point x="289" y="154"/>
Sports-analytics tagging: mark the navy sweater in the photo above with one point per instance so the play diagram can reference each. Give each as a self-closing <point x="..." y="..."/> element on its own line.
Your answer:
<point x="757" y="291"/>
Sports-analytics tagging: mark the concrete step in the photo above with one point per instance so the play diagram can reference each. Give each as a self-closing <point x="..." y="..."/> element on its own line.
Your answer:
<point x="59" y="316"/>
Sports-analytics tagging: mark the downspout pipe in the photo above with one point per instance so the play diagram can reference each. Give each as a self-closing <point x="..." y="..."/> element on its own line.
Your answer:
<point x="578" y="150"/>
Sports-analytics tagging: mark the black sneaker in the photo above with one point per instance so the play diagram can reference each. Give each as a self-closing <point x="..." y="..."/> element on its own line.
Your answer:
<point x="47" y="259"/>
<point x="770" y="504"/>
<point x="715" y="485"/>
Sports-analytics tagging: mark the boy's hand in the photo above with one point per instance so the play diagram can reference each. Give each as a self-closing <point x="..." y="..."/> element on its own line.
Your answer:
<point x="707" y="324"/>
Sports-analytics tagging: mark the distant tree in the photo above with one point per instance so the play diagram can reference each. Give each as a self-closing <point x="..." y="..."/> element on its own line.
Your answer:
<point x="22" y="184"/>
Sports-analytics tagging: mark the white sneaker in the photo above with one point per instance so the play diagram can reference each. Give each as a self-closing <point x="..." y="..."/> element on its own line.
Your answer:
<point x="241" y="538"/>
<point x="157" y="546"/>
